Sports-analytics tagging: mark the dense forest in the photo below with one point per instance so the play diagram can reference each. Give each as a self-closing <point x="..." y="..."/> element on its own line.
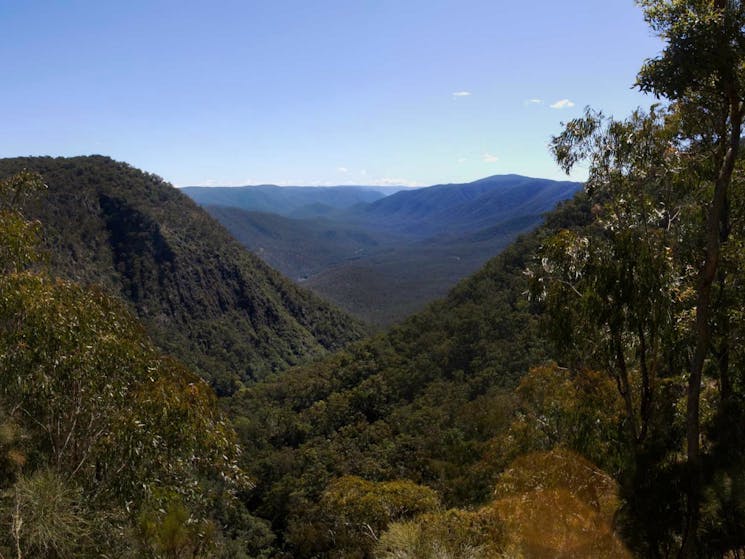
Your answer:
<point x="582" y="395"/>
<point x="432" y="402"/>
<point x="201" y="297"/>
<point x="109" y="448"/>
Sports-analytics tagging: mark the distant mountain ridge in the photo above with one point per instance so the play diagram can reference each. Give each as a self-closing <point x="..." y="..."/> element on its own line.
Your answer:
<point x="467" y="207"/>
<point x="287" y="201"/>
<point x="384" y="259"/>
<point x="202" y="297"/>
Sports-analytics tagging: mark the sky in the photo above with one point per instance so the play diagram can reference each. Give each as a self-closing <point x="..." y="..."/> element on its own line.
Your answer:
<point x="314" y="92"/>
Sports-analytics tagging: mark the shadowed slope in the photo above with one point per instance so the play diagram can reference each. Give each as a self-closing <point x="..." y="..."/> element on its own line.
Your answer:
<point x="202" y="297"/>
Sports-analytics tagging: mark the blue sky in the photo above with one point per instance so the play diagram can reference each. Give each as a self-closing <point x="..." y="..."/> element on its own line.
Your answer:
<point x="314" y="92"/>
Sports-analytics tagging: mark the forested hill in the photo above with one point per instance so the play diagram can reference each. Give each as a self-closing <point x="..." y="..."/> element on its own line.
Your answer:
<point x="431" y="401"/>
<point x="202" y="297"/>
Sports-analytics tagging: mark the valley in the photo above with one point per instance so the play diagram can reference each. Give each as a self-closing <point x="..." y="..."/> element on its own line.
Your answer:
<point x="504" y="368"/>
<point x="382" y="259"/>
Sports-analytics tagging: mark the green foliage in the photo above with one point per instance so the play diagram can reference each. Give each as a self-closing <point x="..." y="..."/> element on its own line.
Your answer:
<point x="704" y="47"/>
<point x="560" y="469"/>
<point x="99" y="405"/>
<point x="198" y="293"/>
<point x="47" y="518"/>
<point x="359" y="510"/>
<point x="20" y="238"/>
<point x="547" y="504"/>
<point x="648" y="293"/>
<point x="96" y="397"/>
<point x="424" y="402"/>
<point x="171" y="532"/>
<point x="13" y="456"/>
<point x="98" y="428"/>
<point x="451" y="534"/>
<point x="582" y="411"/>
<point x="620" y="294"/>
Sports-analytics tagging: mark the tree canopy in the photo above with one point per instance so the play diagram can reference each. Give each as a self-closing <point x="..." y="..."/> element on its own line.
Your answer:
<point x="100" y="433"/>
<point x="655" y="284"/>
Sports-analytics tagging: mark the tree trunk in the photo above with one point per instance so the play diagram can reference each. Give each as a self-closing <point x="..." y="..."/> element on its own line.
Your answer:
<point x="717" y="216"/>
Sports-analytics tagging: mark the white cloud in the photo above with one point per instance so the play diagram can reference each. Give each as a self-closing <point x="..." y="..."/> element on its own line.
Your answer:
<point x="462" y="160"/>
<point x="461" y="94"/>
<point x="489" y="158"/>
<point x="562" y="104"/>
<point x="534" y="101"/>
<point x="363" y="172"/>
<point x="342" y="169"/>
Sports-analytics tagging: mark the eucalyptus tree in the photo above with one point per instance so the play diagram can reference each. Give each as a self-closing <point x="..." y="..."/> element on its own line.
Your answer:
<point x="656" y="279"/>
<point x="20" y="236"/>
<point x="99" y="432"/>
<point x="702" y="71"/>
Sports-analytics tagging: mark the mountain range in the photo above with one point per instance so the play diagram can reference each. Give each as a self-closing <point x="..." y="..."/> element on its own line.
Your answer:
<point x="289" y="201"/>
<point x="381" y="257"/>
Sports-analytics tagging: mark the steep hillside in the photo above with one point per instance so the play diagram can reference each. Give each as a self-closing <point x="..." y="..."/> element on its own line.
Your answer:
<point x="103" y="438"/>
<point x="427" y="402"/>
<point x="202" y="297"/>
